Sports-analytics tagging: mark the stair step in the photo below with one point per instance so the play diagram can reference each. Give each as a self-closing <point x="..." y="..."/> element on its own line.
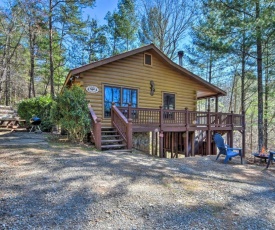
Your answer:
<point x="118" y="150"/>
<point x="111" y="141"/>
<point x="113" y="131"/>
<point x="103" y="136"/>
<point x="107" y="128"/>
<point x="113" y="146"/>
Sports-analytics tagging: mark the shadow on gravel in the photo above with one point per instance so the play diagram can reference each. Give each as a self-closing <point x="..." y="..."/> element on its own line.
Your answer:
<point x="70" y="187"/>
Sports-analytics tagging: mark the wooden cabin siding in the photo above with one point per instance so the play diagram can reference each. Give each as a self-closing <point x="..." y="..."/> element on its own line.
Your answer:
<point x="131" y="72"/>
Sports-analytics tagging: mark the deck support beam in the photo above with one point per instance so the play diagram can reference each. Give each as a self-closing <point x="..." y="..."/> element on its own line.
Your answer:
<point x="243" y="134"/>
<point x="186" y="146"/>
<point x="161" y="153"/>
<point x="208" y="142"/>
<point x="193" y="143"/>
<point x="208" y="134"/>
<point x="231" y="143"/>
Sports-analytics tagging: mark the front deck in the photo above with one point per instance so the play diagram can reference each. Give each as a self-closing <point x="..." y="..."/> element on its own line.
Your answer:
<point x="181" y="120"/>
<point x="174" y="123"/>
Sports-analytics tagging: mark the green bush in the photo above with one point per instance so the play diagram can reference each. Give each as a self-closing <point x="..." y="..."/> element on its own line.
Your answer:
<point x="39" y="106"/>
<point x="70" y="111"/>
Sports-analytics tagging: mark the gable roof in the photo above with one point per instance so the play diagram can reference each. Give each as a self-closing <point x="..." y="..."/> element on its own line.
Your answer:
<point x="212" y="89"/>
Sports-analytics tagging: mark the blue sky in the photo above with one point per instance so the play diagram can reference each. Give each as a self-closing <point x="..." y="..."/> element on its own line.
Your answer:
<point x="101" y="8"/>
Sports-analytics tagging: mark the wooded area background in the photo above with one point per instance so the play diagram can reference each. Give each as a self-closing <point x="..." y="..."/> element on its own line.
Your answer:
<point x="229" y="43"/>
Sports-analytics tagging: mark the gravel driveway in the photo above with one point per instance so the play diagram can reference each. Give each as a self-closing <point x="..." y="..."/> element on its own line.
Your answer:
<point x="61" y="186"/>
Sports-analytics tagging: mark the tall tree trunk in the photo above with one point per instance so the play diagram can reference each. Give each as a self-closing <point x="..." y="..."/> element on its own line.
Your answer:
<point x="232" y="93"/>
<point x="266" y="105"/>
<point x="32" y="38"/>
<point x="260" y="78"/>
<point x="8" y="86"/>
<point x="210" y="78"/>
<point x="60" y="61"/>
<point x="51" y="49"/>
<point x="4" y="66"/>
<point x="243" y="74"/>
<point x="251" y="132"/>
<point x="6" y="75"/>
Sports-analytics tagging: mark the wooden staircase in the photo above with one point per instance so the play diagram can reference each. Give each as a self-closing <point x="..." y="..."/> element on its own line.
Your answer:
<point x="111" y="140"/>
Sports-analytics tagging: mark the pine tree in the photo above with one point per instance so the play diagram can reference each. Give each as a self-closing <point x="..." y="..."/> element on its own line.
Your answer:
<point x="122" y="26"/>
<point x="54" y="7"/>
<point x="246" y="25"/>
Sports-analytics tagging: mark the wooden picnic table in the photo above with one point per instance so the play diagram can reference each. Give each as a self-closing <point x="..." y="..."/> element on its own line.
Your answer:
<point x="12" y="123"/>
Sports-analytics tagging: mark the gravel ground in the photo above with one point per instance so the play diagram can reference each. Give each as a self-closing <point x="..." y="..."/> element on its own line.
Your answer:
<point x="61" y="186"/>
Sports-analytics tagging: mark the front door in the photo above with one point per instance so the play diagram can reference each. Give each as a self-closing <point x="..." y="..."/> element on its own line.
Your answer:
<point x="168" y="103"/>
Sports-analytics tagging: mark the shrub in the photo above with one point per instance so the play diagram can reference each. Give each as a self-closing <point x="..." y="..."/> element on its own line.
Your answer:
<point x="70" y="111"/>
<point x="39" y="106"/>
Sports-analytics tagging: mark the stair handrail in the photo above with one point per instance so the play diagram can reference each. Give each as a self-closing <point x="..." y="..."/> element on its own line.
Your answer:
<point x="95" y="127"/>
<point x="123" y="126"/>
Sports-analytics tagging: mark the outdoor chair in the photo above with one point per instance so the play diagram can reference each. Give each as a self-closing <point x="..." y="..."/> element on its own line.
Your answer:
<point x="225" y="149"/>
<point x="271" y="158"/>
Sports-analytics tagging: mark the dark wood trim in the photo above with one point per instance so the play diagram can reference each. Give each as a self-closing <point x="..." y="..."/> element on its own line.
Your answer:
<point x="95" y="128"/>
<point x="122" y="125"/>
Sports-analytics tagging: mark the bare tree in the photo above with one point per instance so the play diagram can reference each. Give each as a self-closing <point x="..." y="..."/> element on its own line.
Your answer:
<point x="33" y="26"/>
<point x="11" y="35"/>
<point x="165" y="23"/>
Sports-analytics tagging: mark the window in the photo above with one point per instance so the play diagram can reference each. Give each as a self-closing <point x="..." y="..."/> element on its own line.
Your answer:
<point x="111" y="94"/>
<point x="148" y="59"/>
<point x="121" y="97"/>
<point x="168" y="101"/>
<point x="129" y="96"/>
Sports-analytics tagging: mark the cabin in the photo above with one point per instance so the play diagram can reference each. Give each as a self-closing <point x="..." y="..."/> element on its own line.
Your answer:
<point x="141" y="99"/>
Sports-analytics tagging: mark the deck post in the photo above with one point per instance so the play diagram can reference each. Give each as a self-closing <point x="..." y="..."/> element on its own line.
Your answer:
<point x="157" y="143"/>
<point x="231" y="143"/>
<point x="160" y="117"/>
<point x="193" y="143"/>
<point x="208" y="135"/>
<point x="172" y="144"/>
<point x="176" y="144"/>
<point x="161" y="155"/>
<point x="129" y="111"/>
<point x="129" y="134"/>
<point x="112" y="115"/>
<point x="243" y="134"/>
<point x="98" y="134"/>
<point x="186" y="146"/>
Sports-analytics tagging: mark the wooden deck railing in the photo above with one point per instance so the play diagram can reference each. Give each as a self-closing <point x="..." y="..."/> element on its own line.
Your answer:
<point x="96" y="128"/>
<point x="181" y="119"/>
<point x="123" y="126"/>
<point x="129" y="119"/>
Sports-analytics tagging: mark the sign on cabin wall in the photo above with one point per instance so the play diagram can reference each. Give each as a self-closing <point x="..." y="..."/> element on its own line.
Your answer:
<point x="92" y="89"/>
